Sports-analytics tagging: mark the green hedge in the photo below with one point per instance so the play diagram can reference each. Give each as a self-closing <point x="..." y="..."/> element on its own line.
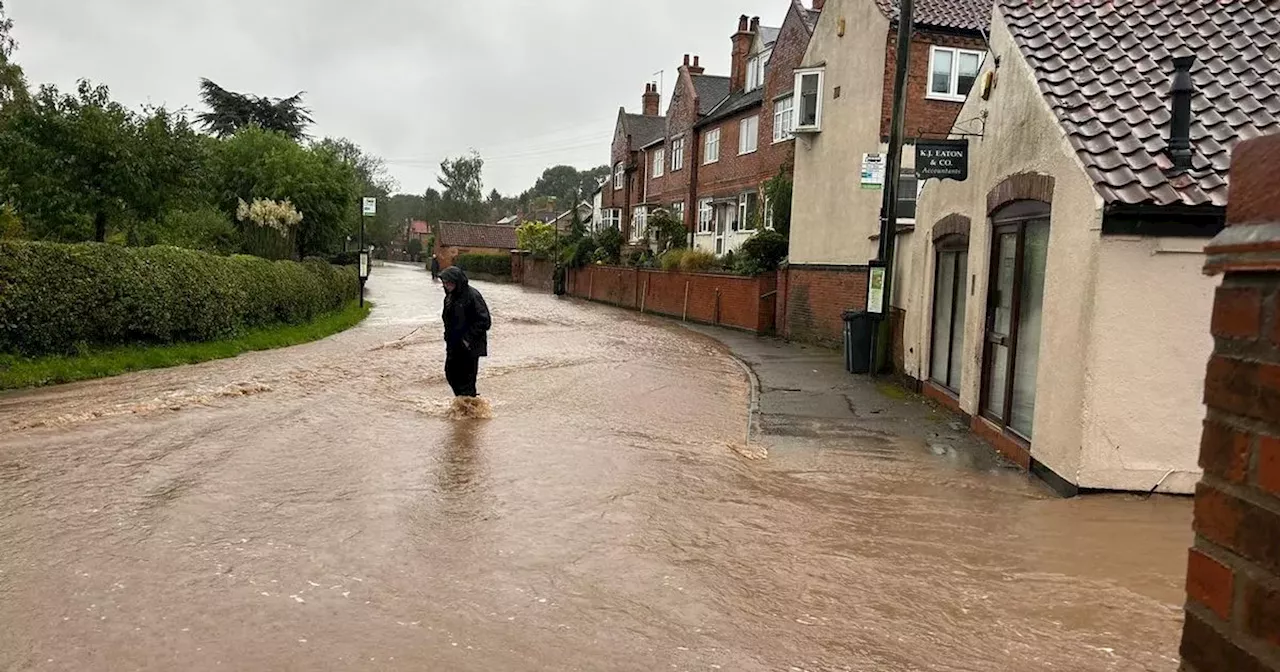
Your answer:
<point x="57" y="298"/>
<point x="489" y="264"/>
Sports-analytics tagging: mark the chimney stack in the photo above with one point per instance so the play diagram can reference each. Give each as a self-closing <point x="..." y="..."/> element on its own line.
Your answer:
<point x="817" y="5"/>
<point x="1180" y="123"/>
<point x="651" y="100"/>
<point x="741" y="47"/>
<point x="694" y="69"/>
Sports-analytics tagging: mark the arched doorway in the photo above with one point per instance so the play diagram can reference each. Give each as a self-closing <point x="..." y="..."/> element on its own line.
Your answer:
<point x="1015" y="301"/>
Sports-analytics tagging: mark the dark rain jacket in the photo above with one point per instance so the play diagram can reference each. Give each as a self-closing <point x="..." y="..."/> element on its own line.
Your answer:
<point x="466" y="316"/>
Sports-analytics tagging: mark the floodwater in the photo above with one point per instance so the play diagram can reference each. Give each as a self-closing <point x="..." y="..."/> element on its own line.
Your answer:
<point x="316" y="509"/>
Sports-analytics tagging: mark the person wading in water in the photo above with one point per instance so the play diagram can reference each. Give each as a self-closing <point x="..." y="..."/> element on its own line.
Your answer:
<point x="466" y="331"/>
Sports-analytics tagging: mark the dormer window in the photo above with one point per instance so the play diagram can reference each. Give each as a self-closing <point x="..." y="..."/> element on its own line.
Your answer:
<point x="755" y="73"/>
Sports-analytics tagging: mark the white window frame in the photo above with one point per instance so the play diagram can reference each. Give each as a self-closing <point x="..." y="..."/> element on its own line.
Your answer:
<point x="798" y="93"/>
<point x="677" y="211"/>
<point x="711" y="146"/>
<point x="910" y="172"/>
<point x="677" y="153"/>
<point x="952" y="94"/>
<point x="611" y="217"/>
<point x="706" y="216"/>
<point x="749" y="135"/>
<point x="767" y="215"/>
<point x="659" y="161"/>
<point x="639" y="221"/>
<point x="619" y="175"/>
<point x="784" y="120"/>
<point x="744" y="214"/>
<point x="754" y="72"/>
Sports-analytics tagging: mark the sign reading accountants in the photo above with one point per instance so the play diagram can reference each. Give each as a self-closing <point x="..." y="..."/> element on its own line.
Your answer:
<point x="943" y="159"/>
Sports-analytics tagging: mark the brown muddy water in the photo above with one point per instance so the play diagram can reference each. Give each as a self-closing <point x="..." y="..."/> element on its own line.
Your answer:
<point x="316" y="509"/>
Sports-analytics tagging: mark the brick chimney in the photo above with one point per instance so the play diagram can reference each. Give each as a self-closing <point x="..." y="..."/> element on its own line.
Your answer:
<point x="741" y="47"/>
<point x="695" y="68"/>
<point x="649" y="103"/>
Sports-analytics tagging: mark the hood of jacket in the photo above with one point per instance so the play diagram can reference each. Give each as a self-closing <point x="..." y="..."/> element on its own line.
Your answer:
<point x="456" y="276"/>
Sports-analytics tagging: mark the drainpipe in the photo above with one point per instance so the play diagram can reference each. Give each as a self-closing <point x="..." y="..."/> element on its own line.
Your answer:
<point x="889" y="208"/>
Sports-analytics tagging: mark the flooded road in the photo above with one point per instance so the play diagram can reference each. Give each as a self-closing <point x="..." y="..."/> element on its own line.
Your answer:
<point x="314" y="509"/>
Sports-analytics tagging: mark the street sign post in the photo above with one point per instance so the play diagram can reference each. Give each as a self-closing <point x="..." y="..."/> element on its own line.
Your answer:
<point x="368" y="208"/>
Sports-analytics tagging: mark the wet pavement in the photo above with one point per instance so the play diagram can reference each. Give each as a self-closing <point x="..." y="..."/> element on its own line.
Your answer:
<point x="314" y="508"/>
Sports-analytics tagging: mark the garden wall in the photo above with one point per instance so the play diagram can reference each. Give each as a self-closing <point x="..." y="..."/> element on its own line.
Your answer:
<point x="723" y="300"/>
<point x="533" y="273"/>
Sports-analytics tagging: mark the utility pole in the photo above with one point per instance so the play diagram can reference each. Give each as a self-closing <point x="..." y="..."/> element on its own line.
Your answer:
<point x="889" y="208"/>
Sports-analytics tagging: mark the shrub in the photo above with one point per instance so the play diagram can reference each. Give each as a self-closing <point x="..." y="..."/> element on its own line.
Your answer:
<point x="670" y="260"/>
<point x="694" y="261"/>
<point x="537" y="237"/>
<point x="608" y="241"/>
<point x="498" y="265"/>
<point x="58" y="298"/>
<point x="761" y="253"/>
<point x="667" y="231"/>
<point x="351" y="258"/>
<point x="206" y="229"/>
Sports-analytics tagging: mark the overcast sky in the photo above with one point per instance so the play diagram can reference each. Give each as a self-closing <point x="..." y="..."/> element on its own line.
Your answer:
<point x="527" y="83"/>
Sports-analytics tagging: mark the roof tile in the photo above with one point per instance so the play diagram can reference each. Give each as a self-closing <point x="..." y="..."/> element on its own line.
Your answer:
<point x="969" y="15"/>
<point x="1104" y="66"/>
<point x="461" y="234"/>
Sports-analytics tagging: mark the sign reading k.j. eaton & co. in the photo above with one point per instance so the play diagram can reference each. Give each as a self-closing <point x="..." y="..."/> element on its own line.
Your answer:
<point x="943" y="159"/>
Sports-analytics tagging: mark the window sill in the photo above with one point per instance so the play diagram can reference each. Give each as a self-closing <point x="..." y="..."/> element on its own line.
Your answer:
<point x="708" y="163"/>
<point x="779" y="142"/>
<point x="806" y="130"/>
<point x="945" y="97"/>
<point x="749" y="153"/>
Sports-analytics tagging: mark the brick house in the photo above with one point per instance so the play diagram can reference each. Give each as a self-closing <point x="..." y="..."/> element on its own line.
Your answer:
<point x="454" y="238"/>
<point x="1056" y="295"/>
<point x="624" y="194"/>
<point x="700" y="165"/>
<point x="845" y="84"/>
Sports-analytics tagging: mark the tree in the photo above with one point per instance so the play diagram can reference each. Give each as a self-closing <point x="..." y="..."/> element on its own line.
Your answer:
<point x="415" y="248"/>
<point x="13" y="84"/>
<point x="668" y="232"/>
<point x="255" y="163"/>
<point x="372" y="181"/>
<point x="463" y="189"/>
<point x="75" y="166"/>
<point x="230" y="111"/>
<point x="562" y="183"/>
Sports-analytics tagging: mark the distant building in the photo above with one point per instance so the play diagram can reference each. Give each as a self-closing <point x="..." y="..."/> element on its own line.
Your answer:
<point x="454" y="238"/>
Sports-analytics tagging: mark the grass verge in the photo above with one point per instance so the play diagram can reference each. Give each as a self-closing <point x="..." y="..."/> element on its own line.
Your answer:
<point x="21" y="372"/>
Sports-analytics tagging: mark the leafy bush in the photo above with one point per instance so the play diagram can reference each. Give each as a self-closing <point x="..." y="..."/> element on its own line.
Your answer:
<point x="498" y="265"/>
<point x="761" y="253"/>
<point x="667" y="231"/>
<point x="58" y="298"/>
<point x="670" y="260"/>
<point x="608" y="245"/>
<point x="351" y="258"/>
<point x="206" y="229"/>
<point x="537" y="237"/>
<point x="777" y="191"/>
<point x="415" y="249"/>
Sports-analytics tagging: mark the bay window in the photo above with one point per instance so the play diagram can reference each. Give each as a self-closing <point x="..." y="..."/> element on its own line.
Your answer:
<point x="809" y="101"/>
<point x="706" y="216"/>
<point x="639" y="222"/>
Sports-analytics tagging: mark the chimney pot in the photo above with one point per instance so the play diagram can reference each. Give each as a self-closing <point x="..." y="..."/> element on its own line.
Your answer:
<point x="686" y="59"/>
<point x="651" y="100"/>
<point x="695" y="61"/>
<point x="742" y="23"/>
<point x="755" y="24"/>
<point x="1182" y="90"/>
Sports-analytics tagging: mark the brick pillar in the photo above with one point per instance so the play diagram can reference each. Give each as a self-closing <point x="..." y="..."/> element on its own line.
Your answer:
<point x="1233" y="575"/>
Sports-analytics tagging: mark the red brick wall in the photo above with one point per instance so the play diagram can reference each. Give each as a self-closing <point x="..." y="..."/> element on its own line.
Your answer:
<point x="1233" y="572"/>
<point x="935" y="116"/>
<point x="726" y="300"/>
<point x="676" y="186"/>
<point x="812" y="300"/>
